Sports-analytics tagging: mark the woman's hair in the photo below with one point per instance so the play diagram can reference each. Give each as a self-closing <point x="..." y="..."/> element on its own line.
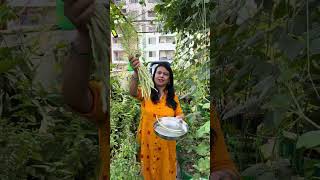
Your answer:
<point x="170" y="96"/>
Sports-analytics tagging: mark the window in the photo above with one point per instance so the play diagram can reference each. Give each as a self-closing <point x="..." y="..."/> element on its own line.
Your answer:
<point x="162" y="39"/>
<point x="120" y="2"/>
<point x="119" y="56"/>
<point x="167" y="39"/>
<point x="151" y="14"/>
<point x="115" y="40"/>
<point x="152" y="40"/>
<point x="134" y="14"/>
<point x="153" y="1"/>
<point x="144" y="44"/>
<point x="133" y="1"/>
<point x="152" y="53"/>
<point x="152" y="29"/>
<point x="136" y="27"/>
<point x="166" y="55"/>
<point x="143" y="15"/>
<point x="143" y="28"/>
<point x="116" y="54"/>
<point x="170" y="39"/>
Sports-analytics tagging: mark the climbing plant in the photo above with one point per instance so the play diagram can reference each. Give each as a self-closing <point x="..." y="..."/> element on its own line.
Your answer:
<point x="266" y="84"/>
<point x="39" y="135"/>
<point x="191" y="71"/>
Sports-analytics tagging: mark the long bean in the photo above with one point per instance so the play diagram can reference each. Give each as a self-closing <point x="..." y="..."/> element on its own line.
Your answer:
<point x="100" y="36"/>
<point x="129" y="41"/>
<point x="145" y="81"/>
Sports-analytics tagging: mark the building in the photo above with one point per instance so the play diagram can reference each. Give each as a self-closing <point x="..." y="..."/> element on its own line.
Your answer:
<point x="155" y="46"/>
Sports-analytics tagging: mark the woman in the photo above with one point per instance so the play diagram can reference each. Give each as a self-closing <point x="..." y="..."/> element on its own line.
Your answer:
<point x="158" y="156"/>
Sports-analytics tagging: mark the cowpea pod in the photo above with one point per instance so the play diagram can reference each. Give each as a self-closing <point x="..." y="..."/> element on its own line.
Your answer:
<point x="98" y="31"/>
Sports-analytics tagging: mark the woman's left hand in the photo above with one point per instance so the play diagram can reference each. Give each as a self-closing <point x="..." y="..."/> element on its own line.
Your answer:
<point x="180" y="117"/>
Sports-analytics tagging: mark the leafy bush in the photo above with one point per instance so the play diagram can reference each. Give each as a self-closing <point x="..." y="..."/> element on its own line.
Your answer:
<point x="265" y="62"/>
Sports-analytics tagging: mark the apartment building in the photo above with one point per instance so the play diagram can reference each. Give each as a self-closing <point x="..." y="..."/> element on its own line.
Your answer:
<point x="155" y="46"/>
<point x="37" y="22"/>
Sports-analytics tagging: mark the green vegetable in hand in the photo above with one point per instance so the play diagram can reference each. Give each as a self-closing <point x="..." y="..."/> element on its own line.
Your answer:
<point x="100" y="43"/>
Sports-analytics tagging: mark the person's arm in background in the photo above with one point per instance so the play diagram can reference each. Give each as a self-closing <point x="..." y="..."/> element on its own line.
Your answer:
<point x="222" y="166"/>
<point x="77" y="67"/>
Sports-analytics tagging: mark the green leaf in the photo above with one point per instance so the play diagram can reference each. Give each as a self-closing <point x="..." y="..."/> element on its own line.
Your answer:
<point x="279" y="101"/>
<point x="8" y="64"/>
<point x="41" y="166"/>
<point x="309" y="140"/>
<point x="254" y="39"/>
<point x="204" y="129"/>
<point x="203" y="164"/>
<point x="264" y="85"/>
<point x="142" y="2"/>
<point x="246" y="11"/>
<point x="196" y="3"/>
<point x="37" y="156"/>
<point x="274" y="118"/>
<point x="291" y="47"/>
<point x="315" y="46"/>
<point x="266" y="149"/>
<point x="289" y="135"/>
<point x="252" y="101"/>
<point x="255" y="170"/>
<point x="206" y="106"/>
<point x="286" y="75"/>
<point x="202" y="149"/>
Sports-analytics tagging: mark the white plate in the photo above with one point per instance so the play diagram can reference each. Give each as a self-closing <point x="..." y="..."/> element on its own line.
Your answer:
<point x="170" y="128"/>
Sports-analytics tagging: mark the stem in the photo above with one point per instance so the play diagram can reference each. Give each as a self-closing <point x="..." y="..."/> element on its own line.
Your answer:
<point x="302" y="115"/>
<point x="300" y="112"/>
<point x="268" y="33"/>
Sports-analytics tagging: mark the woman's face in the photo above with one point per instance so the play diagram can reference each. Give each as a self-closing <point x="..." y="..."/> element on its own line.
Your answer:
<point x="162" y="77"/>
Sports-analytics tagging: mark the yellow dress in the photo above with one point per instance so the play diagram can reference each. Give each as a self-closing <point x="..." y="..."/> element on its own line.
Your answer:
<point x="158" y="156"/>
<point x="101" y="119"/>
<point x="220" y="158"/>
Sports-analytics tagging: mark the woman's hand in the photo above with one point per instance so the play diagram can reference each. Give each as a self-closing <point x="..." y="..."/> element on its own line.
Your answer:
<point x="79" y="13"/>
<point x="135" y="63"/>
<point x="223" y="175"/>
<point x="180" y="117"/>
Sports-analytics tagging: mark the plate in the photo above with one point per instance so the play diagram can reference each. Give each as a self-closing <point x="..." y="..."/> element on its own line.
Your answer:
<point x="170" y="128"/>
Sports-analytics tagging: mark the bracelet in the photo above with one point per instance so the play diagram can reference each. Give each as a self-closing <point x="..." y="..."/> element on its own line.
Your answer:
<point x="73" y="49"/>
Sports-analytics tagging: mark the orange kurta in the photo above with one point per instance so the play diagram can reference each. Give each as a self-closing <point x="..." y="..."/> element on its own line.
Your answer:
<point x="101" y="119"/>
<point x="161" y="163"/>
<point x="220" y="158"/>
<point x="158" y="156"/>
